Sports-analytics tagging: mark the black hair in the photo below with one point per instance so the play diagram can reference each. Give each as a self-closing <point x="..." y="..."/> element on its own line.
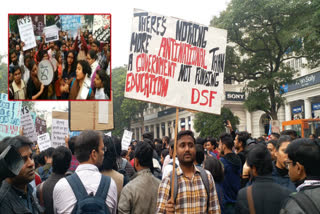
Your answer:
<point x="199" y="153"/>
<point x="15" y="68"/>
<point x="282" y="139"/>
<point x="41" y="54"/>
<point x="243" y="137"/>
<point x="97" y="43"/>
<point x="227" y="140"/>
<point x="290" y="132"/>
<point x="307" y="153"/>
<point x="31" y="64"/>
<point x="86" y="142"/>
<point x="110" y="156"/>
<point x="158" y="148"/>
<point x="105" y="81"/>
<point x="277" y="135"/>
<point x="214" y="166"/>
<point x="124" y="153"/>
<point x="17" y="142"/>
<point x="158" y="140"/>
<point x="118" y="146"/>
<point x="41" y="159"/>
<point x="164" y="153"/>
<point x="92" y="54"/>
<point x="200" y="141"/>
<point x="150" y="142"/>
<point x="273" y="142"/>
<point x="212" y="141"/>
<point x="12" y="52"/>
<point x="148" y="135"/>
<point x="26" y="57"/>
<point x="86" y="68"/>
<point x="71" y="143"/>
<point x="144" y="154"/>
<point x="186" y="132"/>
<point x="260" y="157"/>
<point x="61" y="159"/>
<point x="74" y="62"/>
<point x="49" y="152"/>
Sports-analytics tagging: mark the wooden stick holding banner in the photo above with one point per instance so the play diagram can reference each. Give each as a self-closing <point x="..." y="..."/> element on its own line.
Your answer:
<point x="174" y="154"/>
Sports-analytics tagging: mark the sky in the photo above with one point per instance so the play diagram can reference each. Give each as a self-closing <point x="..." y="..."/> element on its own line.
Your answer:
<point x="200" y="11"/>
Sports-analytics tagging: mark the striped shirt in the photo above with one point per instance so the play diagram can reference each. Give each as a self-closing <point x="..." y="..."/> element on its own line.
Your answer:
<point x="192" y="195"/>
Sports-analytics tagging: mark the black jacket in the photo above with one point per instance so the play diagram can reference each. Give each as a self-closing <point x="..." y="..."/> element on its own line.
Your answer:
<point x="268" y="197"/>
<point x="12" y="200"/>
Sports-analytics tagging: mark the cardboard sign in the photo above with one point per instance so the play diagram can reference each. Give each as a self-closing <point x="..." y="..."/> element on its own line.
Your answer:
<point x="10" y="113"/>
<point x="90" y="115"/>
<point x="26" y="33"/>
<point x="101" y="28"/>
<point x="126" y="139"/>
<point x="275" y="126"/>
<point x="27" y="123"/>
<point x="38" y="24"/>
<point x="59" y="128"/>
<point x="45" y="73"/>
<point x="44" y="142"/>
<point x="51" y="33"/>
<point x="41" y="126"/>
<point x="175" y="62"/>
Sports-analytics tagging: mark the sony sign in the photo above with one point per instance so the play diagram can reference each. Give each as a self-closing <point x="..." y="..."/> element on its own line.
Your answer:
<point x="235" y="96"/>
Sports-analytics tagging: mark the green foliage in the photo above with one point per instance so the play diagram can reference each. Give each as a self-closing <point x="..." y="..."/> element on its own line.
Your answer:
<point x="50" y="20"/>
<point x="13" y="23"/>
<point x="212" y="125"/>
<point x="262" y="36"/>
<point x="3" y="77"/>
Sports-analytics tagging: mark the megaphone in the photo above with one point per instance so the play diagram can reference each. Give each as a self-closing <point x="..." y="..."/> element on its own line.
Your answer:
<point x="10" y="163"/>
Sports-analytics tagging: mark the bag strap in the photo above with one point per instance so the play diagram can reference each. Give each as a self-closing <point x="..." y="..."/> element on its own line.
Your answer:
<point x="77" y="186"/>
<point x="41" y="194"/>
<point x="103" y="187"/>
<point x="205" y="181"/>
<point x="250" y="200"/>
<point x="72" y="82"/>
<point x="305" y="203"/>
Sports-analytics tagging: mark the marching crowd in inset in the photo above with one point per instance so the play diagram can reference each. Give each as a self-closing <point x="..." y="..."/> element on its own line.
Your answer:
<point x="231" y="174"/>
<point x="80" y="68"/>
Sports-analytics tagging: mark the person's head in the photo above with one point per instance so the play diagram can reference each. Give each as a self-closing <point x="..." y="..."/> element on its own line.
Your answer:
<point x="58" y="57"/>
<point x="225" y="144"/>
<point x="186" y="150"/>
<point x="201" y="141"/>
<point x="272" y="144"/>
<point x="33" y="68"/>
<point x="63" y="47"/>
<point x="211" y="144"/>
<point x="303" y="156"/>
<point x="259" y="160"/>
<point x="312" y="136"/>
<point x="13" y="57"/>
<point x="164" y="154"/>
<point x="18" y="47"/>
<point x="102" y="80"/>
<point x="199" y="154"/>
<point x="171" y="148"/>
<point x="291" y="133"/>
<point x="110" y="155"/>
<point x="240" y="141"/>
<point x="95" y="46"/>
<point x="51" y="45"/>
<point x="83" y="69"/>
<point x="281" y="156"/>
<point x="23" y="146"/>
<point x="274" y="136"/>
<point x="48" y="154"/>
<point x="57" y="45"/>
<point x="90" y="38"/>
<point x="70" y="59"/>
<point x="157" y="141"/>
<point x="27" y="59"/>
<point x="61" y="159"/>
<point x="143" y="156"/>
<point x="214" y="166"/>
<point x="89" y="148"/>
<point x="148" y="135"/>
<point x="91" y="56"/>
<point x="71" y="144"/>
<point x="43" y="55"/>
<point x="17" y="74"/>
<point x="165" y="141"/>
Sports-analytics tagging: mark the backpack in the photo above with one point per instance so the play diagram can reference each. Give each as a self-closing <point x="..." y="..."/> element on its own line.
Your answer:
<point x="205" y="181"/>
<point x="87" y="204"/>
<point x="305" y="203"/>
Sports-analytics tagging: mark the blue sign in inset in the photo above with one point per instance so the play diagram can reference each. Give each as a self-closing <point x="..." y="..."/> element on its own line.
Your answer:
<point x="297" y="109"/>
<point x="315" y="106"/>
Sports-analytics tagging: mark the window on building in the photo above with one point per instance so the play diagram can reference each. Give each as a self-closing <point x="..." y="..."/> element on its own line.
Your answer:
<point x="163" y="129"/>
<point x="189" y="123"/>
<point x="158" y="131"/>
<point x="183" y="124"/>
<point x="169" y="129"/>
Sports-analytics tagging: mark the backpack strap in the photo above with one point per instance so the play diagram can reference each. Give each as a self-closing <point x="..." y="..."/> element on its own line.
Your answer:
<point x="205" y="181"/>
<point x="250" y="200"/>
<point x="72" y="82"/>
<point x="305" y="203"/>
<point x="77" y="187"/>
<point x="103" y="187"/>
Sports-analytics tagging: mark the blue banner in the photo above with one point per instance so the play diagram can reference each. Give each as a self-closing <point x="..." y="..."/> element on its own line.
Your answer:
<point x="70" y="22"/>
<point x="315" y="106"/>
<point x="296" y="110"/>
<point x="10" y="112"/>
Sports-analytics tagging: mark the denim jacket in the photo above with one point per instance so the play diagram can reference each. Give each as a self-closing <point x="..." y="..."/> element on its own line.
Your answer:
<point x="13" y="200"/>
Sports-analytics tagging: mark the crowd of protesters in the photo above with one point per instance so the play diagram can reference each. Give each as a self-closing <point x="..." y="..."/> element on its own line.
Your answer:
<point x="231" y="174"/>
<point x="81" y="68"/>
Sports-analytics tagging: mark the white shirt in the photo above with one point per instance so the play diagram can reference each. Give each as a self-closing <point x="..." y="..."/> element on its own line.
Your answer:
<point x="168" y="168"/>
<point x="64" y="199"/>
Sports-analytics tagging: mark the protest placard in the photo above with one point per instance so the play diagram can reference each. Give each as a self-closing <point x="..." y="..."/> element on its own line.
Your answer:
<point x="27" y="124"/>
<point x="51" y="33"/>
<point x="26" y="32"/>
<point x="98" y="115"/>
<point x="70" y="23"/>
<point x="10" y="113"/>
<point x="44" y="142"/>
<point x="41" y="126"/>
<point x="38" y="24"/>
<point x="45" y="73"/>
<point x="59" y="128"/>
<point x="175" y="62"/>
<point x="126" y="139"/>
<point x="108" y="134"/>
<point x="101" y="28"/>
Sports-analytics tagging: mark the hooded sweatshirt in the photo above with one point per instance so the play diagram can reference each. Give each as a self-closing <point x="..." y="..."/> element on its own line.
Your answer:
<point x="232" y="172"/>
